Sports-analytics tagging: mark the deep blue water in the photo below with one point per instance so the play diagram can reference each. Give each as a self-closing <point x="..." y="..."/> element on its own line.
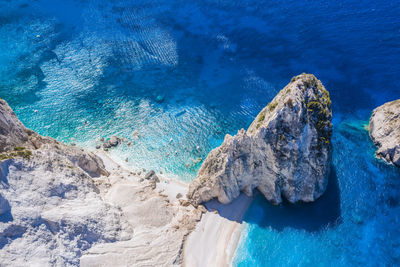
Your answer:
<point x="95" y="68"/>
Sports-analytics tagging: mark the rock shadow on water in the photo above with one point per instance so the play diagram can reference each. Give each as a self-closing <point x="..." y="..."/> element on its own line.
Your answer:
<point x="312" y="217"/>
<point x="324" y="212"/>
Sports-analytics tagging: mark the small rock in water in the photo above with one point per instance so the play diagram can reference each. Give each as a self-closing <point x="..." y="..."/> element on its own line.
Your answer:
<point x="102" y="139"/>
<point x="136" y="134"/>
<point x="357" y="219"/>
<point x="114" y="141"/>
<point x="195" y="161"/>
<point x="160" y="98"/>
<point x="179" y="195"/>
<point x="144" y="170"/>
<point x="73" y="144"/>
<point x="126" y="160"/>
<point x="98" y="147"/>
<point x="129" y="144"/>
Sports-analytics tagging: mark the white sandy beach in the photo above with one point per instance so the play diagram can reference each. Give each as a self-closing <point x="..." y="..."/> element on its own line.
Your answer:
<point x="214" y="240"/>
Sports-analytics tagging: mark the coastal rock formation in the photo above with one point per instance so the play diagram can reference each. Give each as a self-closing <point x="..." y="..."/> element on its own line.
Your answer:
<point x="63" y="206"/>
<point x="285" y="152"/>
<point x="113" y="142"/>
<point x="13" y="132"/>
<point x="384" y="129"/>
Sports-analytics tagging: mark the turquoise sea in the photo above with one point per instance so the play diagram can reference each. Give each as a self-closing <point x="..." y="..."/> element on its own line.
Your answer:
<point x="185" y="73"/>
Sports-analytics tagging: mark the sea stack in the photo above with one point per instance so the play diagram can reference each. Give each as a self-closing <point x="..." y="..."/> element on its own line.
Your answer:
<point x="384" y="129"/>
<point x="285" y="153"/>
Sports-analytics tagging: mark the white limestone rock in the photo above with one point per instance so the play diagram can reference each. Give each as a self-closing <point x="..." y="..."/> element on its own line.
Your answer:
<point x="63" y="206"/>
<point x="384" y="129"/>
<point x="13" y="132"/>
<point x="285" y="152"/>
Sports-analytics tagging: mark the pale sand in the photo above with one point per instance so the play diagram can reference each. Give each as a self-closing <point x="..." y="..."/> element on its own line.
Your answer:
<point x="159" y="222"/>
<point x="215" y="239"/>
<point x="212" y="243"/>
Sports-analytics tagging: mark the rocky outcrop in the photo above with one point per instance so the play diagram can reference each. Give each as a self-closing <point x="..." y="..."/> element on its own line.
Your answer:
<point x="285" y="152"/>
<point x="384" y="129"/>
<point x="16" y="141"/>
<point x="63" y="206"/>
<point x="113" y="142"/>
<point x="48" y="200"/>
<point x="12" y="131"/>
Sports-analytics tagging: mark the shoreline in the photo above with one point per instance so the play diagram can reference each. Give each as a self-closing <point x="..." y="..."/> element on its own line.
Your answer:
<point x="216" y="237"/>
<point x="219" y="229"/>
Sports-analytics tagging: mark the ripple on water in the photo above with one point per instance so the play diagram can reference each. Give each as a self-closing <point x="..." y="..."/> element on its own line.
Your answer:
<point x="95" y="68"/>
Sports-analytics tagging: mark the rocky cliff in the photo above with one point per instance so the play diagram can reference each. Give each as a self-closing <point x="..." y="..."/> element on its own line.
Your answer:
<point x="63" y="206"/>
<point x="384" y="129"/>
<point x="285" y="152"/>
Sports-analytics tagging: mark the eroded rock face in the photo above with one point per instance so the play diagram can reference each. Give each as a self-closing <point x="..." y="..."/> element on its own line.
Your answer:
<point x="12" y="131"/>
<point x="16" y="141"/>
<point x="285" y="152"/>
<point x="384" y="129"/>
<point x="63" y="206"/>
<point x="48" y="198"/>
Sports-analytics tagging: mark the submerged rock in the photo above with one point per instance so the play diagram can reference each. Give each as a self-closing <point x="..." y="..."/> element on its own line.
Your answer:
<point x="113" y="142"/>
<point x="285" y="152"/>
<point x="160" y="98"/>
<point x="384" y="129"/>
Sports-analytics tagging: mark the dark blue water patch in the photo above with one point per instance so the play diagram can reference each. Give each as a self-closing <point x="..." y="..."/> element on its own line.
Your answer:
<point x="323" y="213"/>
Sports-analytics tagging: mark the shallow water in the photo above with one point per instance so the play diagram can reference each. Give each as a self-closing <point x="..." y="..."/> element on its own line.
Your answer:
<point x="185" y="73"/>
